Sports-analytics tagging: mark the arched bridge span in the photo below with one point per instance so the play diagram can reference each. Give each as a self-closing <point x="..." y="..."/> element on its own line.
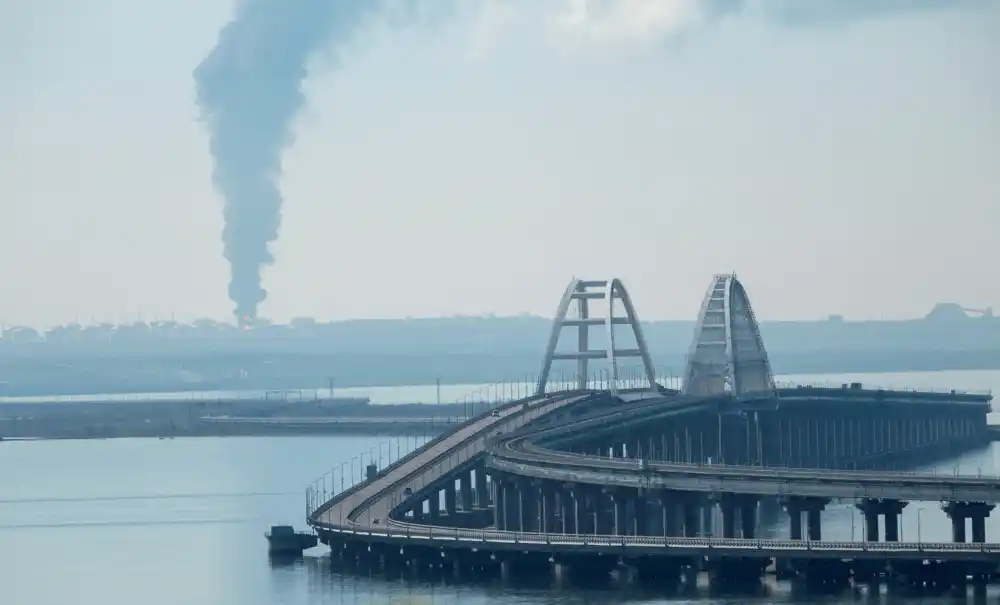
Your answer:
<point x="727" y="354"/>
<point x="577" y="297"/>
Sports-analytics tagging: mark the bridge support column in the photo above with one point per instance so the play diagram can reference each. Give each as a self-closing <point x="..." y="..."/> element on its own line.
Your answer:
<point x="870" y="509"/>
<point x="549" y="509"/>
<point x="604" y="513"/>
<point x="794" y="509"/>
<point x="465" y="489"/>
<point x="669" y="515"/>
<point x="450" y="498"/>
<point x="566" y="518"/>
<point x="960" y="511"/>
<point x="619" y="503"/>
<point x="813" y="507"/>
<point x="434" y="506"/>
<point x="890" y="509"/>
<point x="691" y="507"/>
<point x="528" y="497"/>
<point x="508" y="505"/>
<point x="482" y="491"/>
<point x="643" y="520"/>
<point x="748" y="517"/>
<point x="728" y="517"/>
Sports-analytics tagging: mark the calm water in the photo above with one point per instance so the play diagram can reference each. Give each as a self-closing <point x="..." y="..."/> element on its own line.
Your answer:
<point x="180" y="522"/>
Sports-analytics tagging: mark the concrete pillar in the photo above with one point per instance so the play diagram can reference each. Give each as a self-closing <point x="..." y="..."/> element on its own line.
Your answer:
<point x="960" y="511"/>
<point x="870" y="510"/>
<point x="465" y="487"/>
<point x="748" y="519"/>
<point x="482" y="495"/>
<point x="794" y="510"/>
<point x="814" y="521"/>
<point x="620" y="502"/>
<point x="669" y="515"/>
<point x="728" y="518"/>
<point x="892" y="509"/>
<point x="434" y="506"/>
<point x="528" y="497"/>
<point x="549" y="515"/>
<point x="813" y="508"/>
<point x="958" y="528"/>
<point x="565" y="510"/>
<point x="604" y="517"/>
<point x="450" y="498"/>
<point x="979" y="528"/>
<point x="511" y="506"/>
<point x="690" y="511"/>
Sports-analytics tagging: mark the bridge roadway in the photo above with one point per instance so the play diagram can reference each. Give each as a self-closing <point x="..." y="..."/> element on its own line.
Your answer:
<point x="350" y="515"/>
<point x="489" y="540"/>
<point x="368" y="504"/>
<point x="521" y="454"/>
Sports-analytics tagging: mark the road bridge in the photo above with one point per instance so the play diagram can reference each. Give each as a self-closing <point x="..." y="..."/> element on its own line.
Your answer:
<point x="593" y="479"/>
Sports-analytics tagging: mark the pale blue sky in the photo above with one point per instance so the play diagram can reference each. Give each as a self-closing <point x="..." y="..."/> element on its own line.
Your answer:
<point x="475" y="164"/>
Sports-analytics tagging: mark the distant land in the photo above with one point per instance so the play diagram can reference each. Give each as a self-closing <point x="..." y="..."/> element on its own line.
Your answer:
<point x="305" y="354"/>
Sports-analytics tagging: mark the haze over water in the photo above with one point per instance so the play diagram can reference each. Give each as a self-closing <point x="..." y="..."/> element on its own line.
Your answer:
<point x="180" y="521"/>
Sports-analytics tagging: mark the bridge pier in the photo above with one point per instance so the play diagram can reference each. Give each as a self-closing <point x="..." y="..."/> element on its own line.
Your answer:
<point x="549" y="512"/>
<point x="813" y="508"/>
<point x="507" y="506"/>
<point x="465" y="490"/>
<point x="527" y="507"/>
<point x="450" y="498"/>
<point x="482" y="491"/>
<point x="434" y="506"/>
<point x="619" y="504"/>
<point x="977" y="512"/>
<point x="872" y="508"/>
<point x="740" y="507"/>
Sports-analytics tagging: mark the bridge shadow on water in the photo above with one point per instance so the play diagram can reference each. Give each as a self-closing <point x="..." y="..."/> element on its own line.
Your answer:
<point x="329" y="579"/>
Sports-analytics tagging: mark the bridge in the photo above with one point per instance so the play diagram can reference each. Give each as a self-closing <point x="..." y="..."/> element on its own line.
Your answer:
<point x="593" y="479"/>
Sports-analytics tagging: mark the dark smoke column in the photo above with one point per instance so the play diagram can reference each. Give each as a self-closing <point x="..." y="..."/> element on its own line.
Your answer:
<point x="249" y="92"/>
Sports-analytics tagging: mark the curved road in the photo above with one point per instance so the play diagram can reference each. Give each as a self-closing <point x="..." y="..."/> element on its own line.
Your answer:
<point x="523" y="454"/>
<point x="362" y="505"/>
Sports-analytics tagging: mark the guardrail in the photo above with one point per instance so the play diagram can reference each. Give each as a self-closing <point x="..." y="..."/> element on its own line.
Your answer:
<point x="414" y="532"/>
<point x="879" y="387"/>
<point x="467" y="450"/>
<point x="316" y="505"/>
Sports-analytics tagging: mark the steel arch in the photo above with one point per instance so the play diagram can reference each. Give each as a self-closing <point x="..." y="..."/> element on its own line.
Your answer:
<point x="727" y="353"/>
<point x="584" y="291"/>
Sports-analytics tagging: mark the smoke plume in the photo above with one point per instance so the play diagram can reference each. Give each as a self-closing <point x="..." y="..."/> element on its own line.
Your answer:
<point x="249" y="92"/>
<point x="249" y="86"/>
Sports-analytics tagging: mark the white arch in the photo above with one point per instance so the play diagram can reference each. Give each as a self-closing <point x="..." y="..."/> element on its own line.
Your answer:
<point x="727" y="353"/>
<point x="584" y="291"/>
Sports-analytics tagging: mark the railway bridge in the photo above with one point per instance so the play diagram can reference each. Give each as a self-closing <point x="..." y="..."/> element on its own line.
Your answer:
<point x="590" y="480"/>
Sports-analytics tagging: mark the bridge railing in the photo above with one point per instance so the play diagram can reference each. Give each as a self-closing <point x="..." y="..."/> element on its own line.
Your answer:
<point x="424" y="532"/>
<point x="342" y="478"/>
<point x="539" y="455"/>
<point x="446" y="462"/>
<point x="791" y="384"/>
<point x="332" y="484"/>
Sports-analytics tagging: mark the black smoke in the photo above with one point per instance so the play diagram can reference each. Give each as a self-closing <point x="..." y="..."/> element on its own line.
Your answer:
<point x="249" y="90"/>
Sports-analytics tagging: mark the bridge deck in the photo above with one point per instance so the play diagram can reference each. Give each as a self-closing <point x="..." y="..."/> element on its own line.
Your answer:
<point x="525" y="455"/>
<point x="373" y="500"/>
<point x="492" y="540"/>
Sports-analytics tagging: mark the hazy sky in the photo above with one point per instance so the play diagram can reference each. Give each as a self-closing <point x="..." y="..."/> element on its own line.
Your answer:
<point x="475" y="163"/>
